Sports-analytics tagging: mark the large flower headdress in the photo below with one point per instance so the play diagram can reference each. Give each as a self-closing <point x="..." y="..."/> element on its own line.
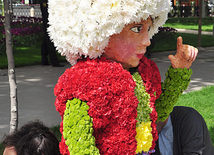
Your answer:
<point x="83" y="27"/>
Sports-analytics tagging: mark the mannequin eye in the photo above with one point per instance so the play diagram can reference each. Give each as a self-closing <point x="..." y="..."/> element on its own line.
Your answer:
<point x="136" y="29"/>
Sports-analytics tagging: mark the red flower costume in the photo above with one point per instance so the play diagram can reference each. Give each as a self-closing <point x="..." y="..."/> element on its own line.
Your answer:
<point x="109" y="92"/>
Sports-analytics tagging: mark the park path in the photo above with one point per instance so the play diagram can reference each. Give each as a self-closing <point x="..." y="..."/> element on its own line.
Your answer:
<point x="194" y="31"/>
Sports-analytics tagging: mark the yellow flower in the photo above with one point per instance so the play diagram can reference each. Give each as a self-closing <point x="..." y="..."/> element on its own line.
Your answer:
<point x="116" y="4"/>
<point x="144" y="137"/>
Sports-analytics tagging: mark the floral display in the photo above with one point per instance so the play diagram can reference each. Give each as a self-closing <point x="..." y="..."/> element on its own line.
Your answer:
<point x="93" y="22"/>
<point x="114" y="99"/>
<point x="106" y="110"/>
<point x="23" y="25"/>
<point x="108" y="90"/>
<point x="26" y="31"/>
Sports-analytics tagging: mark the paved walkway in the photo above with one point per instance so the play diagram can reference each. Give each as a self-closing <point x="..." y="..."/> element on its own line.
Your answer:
<point x="36" y="84"/>
<point x="194" y="31"/>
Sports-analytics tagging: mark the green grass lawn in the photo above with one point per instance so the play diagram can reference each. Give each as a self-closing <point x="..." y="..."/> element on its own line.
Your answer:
<point x="202" y="101"/>
<point x="25" y="56"/>
<point x="190" y="23"/>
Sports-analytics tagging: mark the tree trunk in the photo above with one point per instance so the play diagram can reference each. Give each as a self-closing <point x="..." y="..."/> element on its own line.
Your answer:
<point x="11" y="67"/>
<point x="199" y="23"/>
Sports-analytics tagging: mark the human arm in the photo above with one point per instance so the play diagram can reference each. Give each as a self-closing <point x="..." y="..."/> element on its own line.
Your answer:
<point x="192" y="141"/>
<point x="190" y="132"/>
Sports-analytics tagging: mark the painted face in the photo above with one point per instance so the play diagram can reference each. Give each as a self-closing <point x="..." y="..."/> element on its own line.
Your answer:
<point x="130" y="44"/>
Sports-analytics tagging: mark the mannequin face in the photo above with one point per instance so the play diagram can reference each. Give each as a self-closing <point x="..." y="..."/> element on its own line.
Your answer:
<point x="129" y="46"/>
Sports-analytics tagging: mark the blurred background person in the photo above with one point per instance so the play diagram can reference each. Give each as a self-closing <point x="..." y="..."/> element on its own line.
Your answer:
<point x="47" y="48"/>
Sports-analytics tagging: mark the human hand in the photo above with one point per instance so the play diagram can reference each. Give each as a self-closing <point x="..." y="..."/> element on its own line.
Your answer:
<point x="185" y="55"/>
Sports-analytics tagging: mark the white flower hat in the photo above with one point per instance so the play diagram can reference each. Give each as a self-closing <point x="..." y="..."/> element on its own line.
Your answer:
<point x="83" y="27"/>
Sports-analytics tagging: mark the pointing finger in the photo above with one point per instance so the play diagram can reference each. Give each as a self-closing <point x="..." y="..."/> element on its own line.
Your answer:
<point x="179" y="44"/>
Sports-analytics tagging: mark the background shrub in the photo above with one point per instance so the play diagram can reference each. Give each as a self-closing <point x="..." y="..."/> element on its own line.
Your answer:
<point x="26" y="31"/>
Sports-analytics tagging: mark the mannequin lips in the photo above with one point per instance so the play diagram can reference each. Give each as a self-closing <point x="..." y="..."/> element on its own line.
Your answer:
<point x="140" y="56"/>
<point x="140" y="53"/>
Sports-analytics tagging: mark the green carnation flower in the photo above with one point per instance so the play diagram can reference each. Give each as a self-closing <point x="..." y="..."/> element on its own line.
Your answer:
<point x="143" y="109"/>
<point x="77" y="129"/>
<point x="177" y="80"/>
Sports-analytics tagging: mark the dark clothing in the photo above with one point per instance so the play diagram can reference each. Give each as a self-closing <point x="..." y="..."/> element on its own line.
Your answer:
<point x="190" y="133"/>
<point x="44" y="10"/>
<point x="47" y="47"/>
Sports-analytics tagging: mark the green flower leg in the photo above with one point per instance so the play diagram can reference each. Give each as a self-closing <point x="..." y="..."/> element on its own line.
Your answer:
<point x="177" y="80"/>
<point x="77" y="129"/>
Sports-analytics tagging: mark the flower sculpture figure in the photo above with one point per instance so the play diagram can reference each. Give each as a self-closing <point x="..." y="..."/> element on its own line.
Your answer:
<point x="105" y="107"/>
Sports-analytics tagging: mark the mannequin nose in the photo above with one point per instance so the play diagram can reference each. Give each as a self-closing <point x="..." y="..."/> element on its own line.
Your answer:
<point x="146" y="40"/>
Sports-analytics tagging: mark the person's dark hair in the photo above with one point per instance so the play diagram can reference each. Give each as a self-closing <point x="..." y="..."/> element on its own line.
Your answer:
<point x="33" y="139"/>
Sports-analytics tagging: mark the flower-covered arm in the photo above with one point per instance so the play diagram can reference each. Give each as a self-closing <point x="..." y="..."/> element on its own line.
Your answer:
<point x="177" y="80"/>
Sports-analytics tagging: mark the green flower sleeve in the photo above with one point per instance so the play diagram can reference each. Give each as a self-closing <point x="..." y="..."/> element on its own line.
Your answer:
<point x="177" y="80"/>
<point x="77" y="128"/>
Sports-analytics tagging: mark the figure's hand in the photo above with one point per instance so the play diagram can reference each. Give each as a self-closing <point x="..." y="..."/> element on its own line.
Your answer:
<point x="185" y="55"/>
